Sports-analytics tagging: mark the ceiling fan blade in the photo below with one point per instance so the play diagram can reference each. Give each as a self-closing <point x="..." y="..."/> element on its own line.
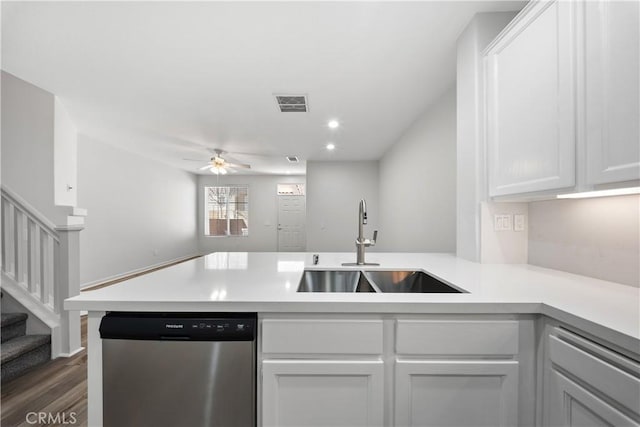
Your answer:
<point x="205" y="167"/>
<point x="197" y="160"/>
<point x="238" y="165"/>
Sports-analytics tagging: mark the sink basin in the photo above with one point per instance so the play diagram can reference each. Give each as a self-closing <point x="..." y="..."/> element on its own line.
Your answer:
<point x="407" y="281"/>
<point x="372" y="281"/>
<point x="334" y="281"/>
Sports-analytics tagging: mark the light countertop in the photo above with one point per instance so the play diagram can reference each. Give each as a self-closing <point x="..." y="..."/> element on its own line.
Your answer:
<point x="267" y="282"/>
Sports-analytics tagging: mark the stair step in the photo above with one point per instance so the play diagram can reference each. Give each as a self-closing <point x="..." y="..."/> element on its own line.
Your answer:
<point x="16" y="347"/>
<point x="11" y="318"/>
<point x="23" y="353"/>
<point x="13" y="325"/>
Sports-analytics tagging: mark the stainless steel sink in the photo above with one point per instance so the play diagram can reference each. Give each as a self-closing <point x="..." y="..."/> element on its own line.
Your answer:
<point x="407" y="281"/>
<point x="372" y="281"/>
<point x="334" y="281"/>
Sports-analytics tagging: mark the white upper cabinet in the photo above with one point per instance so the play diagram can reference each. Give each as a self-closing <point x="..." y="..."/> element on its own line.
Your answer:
<point x="562" y="98"/>
<point x="530" y="81"/>
<point x="612" y="111"/>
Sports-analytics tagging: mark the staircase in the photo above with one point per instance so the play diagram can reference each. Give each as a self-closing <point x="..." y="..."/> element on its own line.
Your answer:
<point x="21" y="352"/>
<point x="39" y="269"/>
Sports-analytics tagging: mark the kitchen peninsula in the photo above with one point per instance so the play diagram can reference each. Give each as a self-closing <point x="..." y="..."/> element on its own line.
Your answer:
<point x="518" y="324"/>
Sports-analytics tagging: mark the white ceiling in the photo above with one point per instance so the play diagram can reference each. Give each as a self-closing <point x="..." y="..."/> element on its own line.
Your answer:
<point x="167" y="79"/>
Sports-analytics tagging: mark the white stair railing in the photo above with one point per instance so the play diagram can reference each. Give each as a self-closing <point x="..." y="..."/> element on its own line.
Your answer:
<point x="40" y="268"/>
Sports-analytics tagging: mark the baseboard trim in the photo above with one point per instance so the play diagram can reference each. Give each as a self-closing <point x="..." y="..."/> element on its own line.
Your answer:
<point x="73" y="353"/>
<point x="102" y="283"/>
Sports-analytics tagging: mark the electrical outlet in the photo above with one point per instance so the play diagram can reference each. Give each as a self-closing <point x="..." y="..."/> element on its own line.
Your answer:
<point x="518" y="222"/>
<point x="502" y="222"/>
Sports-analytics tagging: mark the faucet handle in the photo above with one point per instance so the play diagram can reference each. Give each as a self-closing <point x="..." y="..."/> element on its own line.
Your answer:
<point x="375" y="237"/>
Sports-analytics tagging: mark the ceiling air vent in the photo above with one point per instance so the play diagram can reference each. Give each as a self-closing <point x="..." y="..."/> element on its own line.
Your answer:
<point x="292" y="103"/>
<point x="293" y="159"/>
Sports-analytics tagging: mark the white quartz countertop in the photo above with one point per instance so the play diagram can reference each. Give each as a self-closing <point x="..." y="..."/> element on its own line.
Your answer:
<point x="267" y="282"/>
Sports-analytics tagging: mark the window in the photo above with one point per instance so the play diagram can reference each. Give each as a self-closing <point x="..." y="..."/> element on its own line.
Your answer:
<point x="226" y="211"/>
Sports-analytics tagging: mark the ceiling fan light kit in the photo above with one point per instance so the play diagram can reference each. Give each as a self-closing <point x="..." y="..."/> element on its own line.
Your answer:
<point x="218" y="171"/>
<point x="219" y="165"/>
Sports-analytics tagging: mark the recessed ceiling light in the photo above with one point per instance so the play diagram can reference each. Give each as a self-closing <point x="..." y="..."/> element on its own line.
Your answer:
<point x="333" y="124"/>
<point x="331" y="146"/>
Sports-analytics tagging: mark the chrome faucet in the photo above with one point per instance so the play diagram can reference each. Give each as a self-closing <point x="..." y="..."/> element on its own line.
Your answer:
<point x="361" y="242"/>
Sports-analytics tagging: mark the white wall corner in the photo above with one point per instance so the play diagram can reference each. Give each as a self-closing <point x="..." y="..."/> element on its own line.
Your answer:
<point x="471" y="166"/>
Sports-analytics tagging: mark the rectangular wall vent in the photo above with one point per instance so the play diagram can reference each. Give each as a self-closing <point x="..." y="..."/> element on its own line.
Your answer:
<point x="292" y="103"/>
<point x="293" y="159"/>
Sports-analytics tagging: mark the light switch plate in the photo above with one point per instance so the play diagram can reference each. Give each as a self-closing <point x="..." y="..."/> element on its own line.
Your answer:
<point x="502" y="222"/>
<point x="518" y="222"/>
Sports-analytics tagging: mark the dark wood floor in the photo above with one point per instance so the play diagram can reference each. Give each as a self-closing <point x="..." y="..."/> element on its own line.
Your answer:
<point x="57" y="387"/>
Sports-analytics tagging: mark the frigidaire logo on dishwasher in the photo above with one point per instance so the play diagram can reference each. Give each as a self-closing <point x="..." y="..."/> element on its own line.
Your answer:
<point x="173" y="326"/>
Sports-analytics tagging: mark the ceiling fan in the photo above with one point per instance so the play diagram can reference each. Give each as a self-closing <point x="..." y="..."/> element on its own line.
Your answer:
<point x="219" y="165"/>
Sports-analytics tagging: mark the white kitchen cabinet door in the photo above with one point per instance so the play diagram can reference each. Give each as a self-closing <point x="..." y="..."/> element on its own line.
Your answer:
<point x="589" y="384"/>
<point x="325" y="393"/>
<point x="531" y="105"/>
<point x="612" y="83"/>
<point x="570" y="405"/>
<point x="456" y="393"/>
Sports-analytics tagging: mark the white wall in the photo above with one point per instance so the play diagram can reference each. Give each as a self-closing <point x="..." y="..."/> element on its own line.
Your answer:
<point x="592" y="237"/>
<point x="334" y="190"/>
<point x="140" y="212"/>
<point x="27" y="143"/>
<point x="418" y="184"/>
<point x="263" y="213"/>
<point x="65" y="157"/>
<point x="471" y="169"/>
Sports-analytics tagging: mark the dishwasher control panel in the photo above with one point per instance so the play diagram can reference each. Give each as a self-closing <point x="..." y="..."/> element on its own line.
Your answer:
<point x="179" y="326"/>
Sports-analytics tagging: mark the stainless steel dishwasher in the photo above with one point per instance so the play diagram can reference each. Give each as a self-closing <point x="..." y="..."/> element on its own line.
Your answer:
<point x="179" y="369"/>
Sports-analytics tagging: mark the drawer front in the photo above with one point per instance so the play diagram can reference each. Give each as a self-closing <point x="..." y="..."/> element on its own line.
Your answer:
<point x="317" y="336"/>
<point x="612" y="377"/>
<point x="426" y="337"/>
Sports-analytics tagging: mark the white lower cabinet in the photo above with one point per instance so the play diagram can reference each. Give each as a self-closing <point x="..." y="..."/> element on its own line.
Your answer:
<point x="588" y="384"/>
<point x="441" y="370"/>
<point x="322" y="393"/>
<point x="391" y="370"/>
<point x="572" y="405"/>
<point x="456" y="393"/>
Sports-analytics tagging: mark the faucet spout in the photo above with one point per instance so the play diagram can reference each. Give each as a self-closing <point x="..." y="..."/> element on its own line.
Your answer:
<point x="361" y="241"/>
<point x="362" y="212"/>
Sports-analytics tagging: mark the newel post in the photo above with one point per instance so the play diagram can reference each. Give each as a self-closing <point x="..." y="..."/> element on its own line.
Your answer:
<point x="67" y="284"/>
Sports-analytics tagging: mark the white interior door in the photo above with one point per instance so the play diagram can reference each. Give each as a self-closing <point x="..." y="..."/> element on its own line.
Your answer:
<point x="291" y="224"/>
